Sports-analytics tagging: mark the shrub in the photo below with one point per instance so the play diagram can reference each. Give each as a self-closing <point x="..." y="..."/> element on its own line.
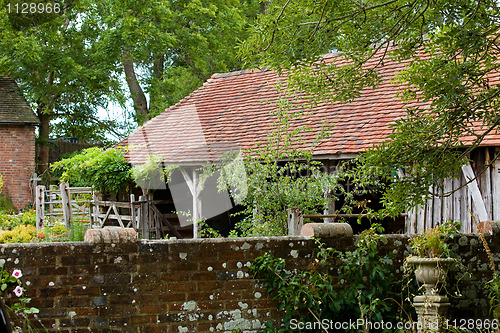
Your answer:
<point x="56" y="233"/>
<point x="8" y="222"/>
<point x="19" y="234"/>
<point x="433" y="242"/>
<point x="5" y="201"/>
<point x="106" y="170"/>
<point x="314" y="294"/>
<point x="77" y="231"/>
<point x="6" y="204"/>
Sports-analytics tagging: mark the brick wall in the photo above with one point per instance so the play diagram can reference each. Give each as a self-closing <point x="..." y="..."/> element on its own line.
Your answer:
<point x="188" y="285"/>
<point x="17" y="162"/>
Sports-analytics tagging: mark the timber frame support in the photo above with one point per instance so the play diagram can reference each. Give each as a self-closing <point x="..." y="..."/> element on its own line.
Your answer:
<point x="192" y="178"/>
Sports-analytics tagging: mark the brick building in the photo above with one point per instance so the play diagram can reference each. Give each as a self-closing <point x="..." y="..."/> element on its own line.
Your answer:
<point x="17" y="143"/>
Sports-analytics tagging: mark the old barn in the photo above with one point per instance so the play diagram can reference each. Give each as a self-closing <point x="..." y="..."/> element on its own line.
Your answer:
<point x="235" y="111"/>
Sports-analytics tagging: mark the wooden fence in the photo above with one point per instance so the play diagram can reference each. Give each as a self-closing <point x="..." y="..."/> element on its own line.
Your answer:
<point x="296" y="219"/>
<point x="67" y="203"/>
<point x="142" y="215"/>
<point x="62" y="203"/>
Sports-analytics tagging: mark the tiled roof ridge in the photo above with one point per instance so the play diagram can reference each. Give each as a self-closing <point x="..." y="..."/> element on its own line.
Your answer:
<point x="263" y="69"/>
<point x="216" y="76"/>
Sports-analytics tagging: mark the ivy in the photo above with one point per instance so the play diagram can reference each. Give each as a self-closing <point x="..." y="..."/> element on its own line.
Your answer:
<point x="314" y="294"/>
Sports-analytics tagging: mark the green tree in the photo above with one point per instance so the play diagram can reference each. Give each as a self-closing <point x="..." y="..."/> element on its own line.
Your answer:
<point x="62" y="68"/>
<point x="169" y="48"/>
<point x="451" y="53"/>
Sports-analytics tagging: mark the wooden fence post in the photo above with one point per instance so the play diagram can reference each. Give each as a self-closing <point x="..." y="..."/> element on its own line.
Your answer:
<point x="295" y="222"/>
<point x="40" y="206"/>
<point x="135" y="225"/>
<point x="95" y="210"/>
<point x="144" y="216"/>
<point x="66" y="204"/>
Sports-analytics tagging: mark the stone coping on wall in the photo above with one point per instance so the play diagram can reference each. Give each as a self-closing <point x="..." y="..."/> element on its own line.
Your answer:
<point x="191" y="285"/>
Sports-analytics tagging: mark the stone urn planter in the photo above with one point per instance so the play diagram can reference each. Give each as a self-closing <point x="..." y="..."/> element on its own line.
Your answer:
<point x="431" y="308"/>
<point x="430" y="271"/>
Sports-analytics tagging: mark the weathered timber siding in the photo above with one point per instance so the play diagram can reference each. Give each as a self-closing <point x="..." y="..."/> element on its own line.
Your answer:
<point x="454" y="199"/>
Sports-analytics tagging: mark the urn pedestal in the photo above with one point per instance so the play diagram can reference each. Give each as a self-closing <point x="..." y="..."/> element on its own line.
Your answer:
<point x="431" y="308"/>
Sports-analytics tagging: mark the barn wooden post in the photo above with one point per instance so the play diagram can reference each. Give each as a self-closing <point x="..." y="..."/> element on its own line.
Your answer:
<point x="40" y="206"/>
<point x="194" y="184"/>
<point x="95" y="209"/>
<point x="52" y="198"/>
<point x="495" y="184"/>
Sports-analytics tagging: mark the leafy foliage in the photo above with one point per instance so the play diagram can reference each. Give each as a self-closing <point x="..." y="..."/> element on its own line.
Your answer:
<point x="105" y="169"/>
<point x="18" y="228"/>
<point x="450" y="55"/>
<point x="63" y="70"/>
<point x="433" y="243"/>
<point x="77" y="231"/>
<point x="5" y="201"/>
<point x="19" y="234"/>
<point x="278" y="176"/>
<point x="13" y="299"/>
<point x="311" y="295"/>
<point x="8" y="222"/>
<point x="148" y="175"/>
<point x="174" y="45"/>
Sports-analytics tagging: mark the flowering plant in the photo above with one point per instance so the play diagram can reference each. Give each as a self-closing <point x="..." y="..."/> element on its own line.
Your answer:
<point x="13" y="300"/>
<point x="433" y="242"/>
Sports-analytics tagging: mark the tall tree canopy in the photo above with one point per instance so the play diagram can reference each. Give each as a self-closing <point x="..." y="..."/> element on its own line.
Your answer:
<point x="169" y="48"/>
<point x="76" y="59"/>
<point x="452" y="53"/>
<point x="61" y="66"/>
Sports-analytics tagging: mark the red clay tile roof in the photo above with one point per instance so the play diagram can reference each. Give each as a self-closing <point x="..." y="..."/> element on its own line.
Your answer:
<point x="13" y="107"/>
<point x="234" y="111"/>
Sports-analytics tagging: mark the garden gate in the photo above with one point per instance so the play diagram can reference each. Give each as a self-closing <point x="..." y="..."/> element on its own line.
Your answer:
<point x="63" y="204"/>
<point x="66" y="203"/>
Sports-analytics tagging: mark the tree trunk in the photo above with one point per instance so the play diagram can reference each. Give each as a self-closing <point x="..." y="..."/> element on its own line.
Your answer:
<point x="263" y="7"/>
<point x="43" y="138"/>
<point x="136" y="92"/>
<point x="158" y="70"/>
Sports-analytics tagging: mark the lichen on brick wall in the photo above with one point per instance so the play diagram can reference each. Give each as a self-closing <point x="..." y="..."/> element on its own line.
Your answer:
<point x="192" y="285"/>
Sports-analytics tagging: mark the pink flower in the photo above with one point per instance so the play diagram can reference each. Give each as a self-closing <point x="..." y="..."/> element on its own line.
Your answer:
<point x="18" y="291"/>
<point x="17" y="273"/>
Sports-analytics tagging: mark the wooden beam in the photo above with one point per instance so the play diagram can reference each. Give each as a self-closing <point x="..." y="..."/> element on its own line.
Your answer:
<point x="495" y="187"/>
<point x="66" y="204"/>
<point x="166" y="222"/>
<point x="437" y="206"/>
<point x="486" y="184"/>
<point x="194" y="185"/>
<point x="189" y="180"/>
<point x="448" y="200"/>
<point x="420" y="219"/>
<point x="456" y="199"/>
<point x="40" y="206"/>
<point x="429" y="211"/>
<point x="473" y="188"/>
